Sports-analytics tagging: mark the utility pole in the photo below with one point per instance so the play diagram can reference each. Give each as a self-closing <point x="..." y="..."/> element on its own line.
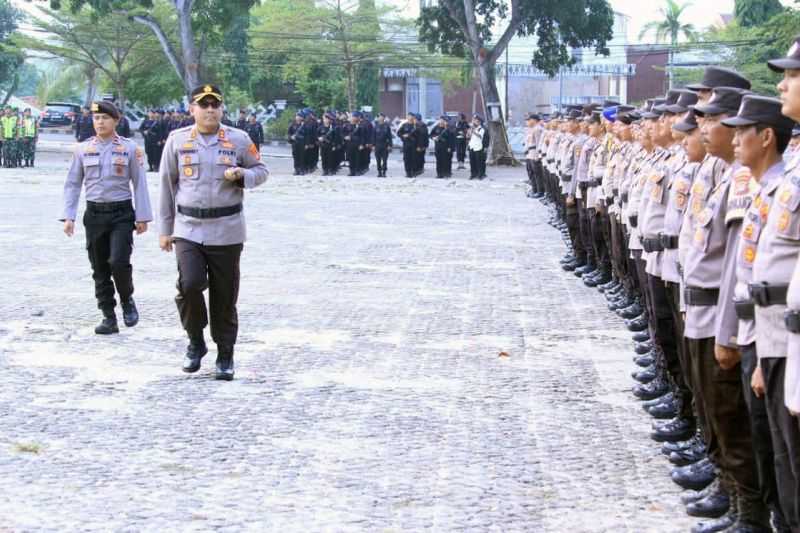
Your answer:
<point x="508" y="111"/>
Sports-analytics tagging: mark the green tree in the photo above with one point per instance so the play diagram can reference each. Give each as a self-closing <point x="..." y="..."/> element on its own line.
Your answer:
<point x="11" y="57"/>
<point x="464" y="28"/>
<point x="755" y="12"/>
<point x="200" y="24"/>
<point x="670" y="28"/>
<point x="109" y="49"/>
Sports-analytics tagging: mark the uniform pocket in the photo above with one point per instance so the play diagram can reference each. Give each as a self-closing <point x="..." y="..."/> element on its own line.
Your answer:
<point x="188" y="165"/>
<point x="91" y="166"/>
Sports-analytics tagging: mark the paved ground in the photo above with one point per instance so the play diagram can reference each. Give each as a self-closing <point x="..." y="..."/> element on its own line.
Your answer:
<point x="369" y="392"/>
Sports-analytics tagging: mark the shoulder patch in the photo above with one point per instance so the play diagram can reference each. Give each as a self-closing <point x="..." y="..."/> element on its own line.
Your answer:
<point x="254" y="151"/>
<point x="743" y="189"/>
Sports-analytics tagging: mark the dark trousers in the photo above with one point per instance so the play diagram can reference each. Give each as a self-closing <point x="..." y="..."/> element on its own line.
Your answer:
<point x="666" y="337"/>
<point x="444" y="163"/>
<point x="477" y="163"/>
<point x="684" y="387"/>
<point x="151" y="149"/>
<point x="298" y="158"/>
<point x="109" y="242"/>
<point x="762" y="437"/>
<point x="728" y="435"/>
<point x="598" y="222"/>
<point x="584" y="226"/>
<point x="785" y="440"/>
<point x="573" y="228"/>
<point x="419" y="160"/>
<point x="329" y="160"/>
<point x="533" y="176"/>
<point x="215" y="268"/>
<point x="461" y="150"/>
<point x="382" y="159"/>
<point x="409" y="159"/>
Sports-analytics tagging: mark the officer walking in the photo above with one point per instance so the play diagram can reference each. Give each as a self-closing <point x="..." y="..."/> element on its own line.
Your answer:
<point x="330" y="141"/>
<point x="423" y="141"/>
<point x="383" y="144"/>
<point x="106" y="166"/>
<point x="444" y="143"/>
<point x="204" y="172"/>
<point x="151" y="132"/>
<point x="297" y="139"/>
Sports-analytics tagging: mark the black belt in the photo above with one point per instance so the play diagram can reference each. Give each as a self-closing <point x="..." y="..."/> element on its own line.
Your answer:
<point x="566" y="178"/>
<point x="652" y="245"/>
<point x="669" y="242"/>
<point x="583" y="185"/>
<point x="633" y="220"/>
<point x="595" y="183"/>
<point x="792" y="320"/>
<point x="624" y="198"/>
<point x="108" y="207"/>
<point x="745" y="309"/>
<point x="209" y="212"/>
<point x="615" y="192"/>
<point x="765" y="295"/>
<point x="701" y="297"/>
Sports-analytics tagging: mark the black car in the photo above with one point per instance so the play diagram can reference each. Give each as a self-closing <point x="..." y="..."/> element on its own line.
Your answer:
<point x="60" y="114"/>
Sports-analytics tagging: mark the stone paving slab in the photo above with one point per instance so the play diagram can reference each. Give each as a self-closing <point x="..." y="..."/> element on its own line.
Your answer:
<point x="369" y="393"/>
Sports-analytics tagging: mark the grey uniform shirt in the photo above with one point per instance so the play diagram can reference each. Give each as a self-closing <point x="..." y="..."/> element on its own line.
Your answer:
<point x="583" y="154"/>
<point x="752" y="226"/>
<point x="705" y="255"/>
<point x="653" y="206"/>
<point x="106" y="170"/>
<point x="679" y="189"/>
<point x="776" y="257"/>
<point x="192" y="175"/>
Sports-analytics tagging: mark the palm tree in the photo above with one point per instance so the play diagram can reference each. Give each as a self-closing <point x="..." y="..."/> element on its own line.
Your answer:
<point x="670" y="27"/>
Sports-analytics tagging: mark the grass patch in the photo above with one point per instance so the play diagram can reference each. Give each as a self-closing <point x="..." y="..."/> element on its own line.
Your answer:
<point x="28" y="447"/>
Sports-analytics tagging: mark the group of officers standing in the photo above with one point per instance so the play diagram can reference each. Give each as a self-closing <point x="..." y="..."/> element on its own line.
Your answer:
<point x="685" y="213"/>
<point x="18" y="135"/>
<point x="351" y="139"/>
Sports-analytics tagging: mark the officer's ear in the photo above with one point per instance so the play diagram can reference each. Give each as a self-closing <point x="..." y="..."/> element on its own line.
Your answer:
<point x="768" y="137"/>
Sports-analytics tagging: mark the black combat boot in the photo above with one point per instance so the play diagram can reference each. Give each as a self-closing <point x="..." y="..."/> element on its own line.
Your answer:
<point x="109" y="323"/>
<point x="194" y="353"/>
<point x="224" y="363"/>
<point x="130" y="315"/>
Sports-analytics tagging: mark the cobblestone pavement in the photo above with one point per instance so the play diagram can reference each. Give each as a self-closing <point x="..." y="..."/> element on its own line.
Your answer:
<point x="369" y="394"/>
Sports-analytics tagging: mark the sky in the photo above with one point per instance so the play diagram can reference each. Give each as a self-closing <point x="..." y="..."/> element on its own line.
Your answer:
<point x="701" y="13"/>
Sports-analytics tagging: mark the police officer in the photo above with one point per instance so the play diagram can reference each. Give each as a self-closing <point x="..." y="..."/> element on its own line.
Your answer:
<point x="423" y="141"/>
<point x="354" y="144"/>
<point x="477" y="151"/>
<point x="106" y="166"/>
<point x="29" y="136"/>
<point x="124" y="126"/>
<point x="330" y="143"/>
<point x="462" y="127"/>
<point x="409" y="135"/>
<point x="9" y="131"/>
<point x="444" y="144"/>
<point x="383" y="144"/>
<point x="84" y="125"/>
<point x="533" y="132"/>
<point x="762" y="134"/>
<point x="204" y="172"/>
<point x="297" y="139"/>
<point x="255" y="131"/>
<point x="241" y="122"/>
<point x="151" y="132"/>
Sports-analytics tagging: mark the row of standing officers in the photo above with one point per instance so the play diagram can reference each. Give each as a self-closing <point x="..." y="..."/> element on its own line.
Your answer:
<point x="686" y="214"/>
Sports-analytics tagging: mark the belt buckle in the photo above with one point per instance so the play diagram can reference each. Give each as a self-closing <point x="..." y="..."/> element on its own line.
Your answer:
<point x="791" y="319"/>
<point x="758" y="293"/>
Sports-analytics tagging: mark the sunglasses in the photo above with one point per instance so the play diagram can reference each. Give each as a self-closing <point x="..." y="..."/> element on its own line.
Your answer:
<point x="205" y="104"/>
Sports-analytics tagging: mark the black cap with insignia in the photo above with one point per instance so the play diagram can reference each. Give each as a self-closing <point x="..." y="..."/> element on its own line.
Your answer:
<point x="201" y="91"/>
<point x="714" y="77"/>
<point x="685" y="100"/>
<point x="688" y="123"/>
<point x="791" y="61"/>
<point x="654" y="108"/>
<point x="723" y="100"/>
<point x="670" y="99"/>
<point x="105" y="107"/>
<point x="533" y="116"/>
<point x="760" y="110"/>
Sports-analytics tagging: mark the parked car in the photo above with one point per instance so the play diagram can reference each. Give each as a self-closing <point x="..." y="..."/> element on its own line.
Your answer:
<point x="60" y="114"/>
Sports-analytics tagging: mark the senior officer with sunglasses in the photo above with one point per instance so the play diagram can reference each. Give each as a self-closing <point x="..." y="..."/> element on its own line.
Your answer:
<point x="204" y="171"/>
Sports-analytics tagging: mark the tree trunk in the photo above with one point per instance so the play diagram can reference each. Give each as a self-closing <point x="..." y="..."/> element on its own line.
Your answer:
<point x="12" y="89"/>
<point x="351" y="86"/>
<point x="91" y="85"/>
<point x="191" y="66"/>
<point x="500" y="152"/>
